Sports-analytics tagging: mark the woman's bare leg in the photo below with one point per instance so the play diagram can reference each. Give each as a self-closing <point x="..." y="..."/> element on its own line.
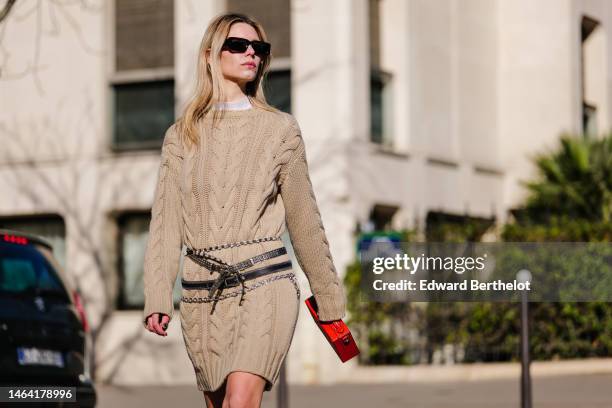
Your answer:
<point x="244" y="390"/>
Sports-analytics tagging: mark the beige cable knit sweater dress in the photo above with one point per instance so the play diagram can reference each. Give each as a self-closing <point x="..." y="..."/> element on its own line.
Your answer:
<point x="247" y="179"/>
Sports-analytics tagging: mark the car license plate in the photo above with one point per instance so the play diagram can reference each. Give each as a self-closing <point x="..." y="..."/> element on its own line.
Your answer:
<point x="32" y="355"/>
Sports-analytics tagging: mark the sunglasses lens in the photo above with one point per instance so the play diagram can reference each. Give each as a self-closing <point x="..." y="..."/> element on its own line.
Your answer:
<point x="261" y="48"/>
<point x="234" y="44"/>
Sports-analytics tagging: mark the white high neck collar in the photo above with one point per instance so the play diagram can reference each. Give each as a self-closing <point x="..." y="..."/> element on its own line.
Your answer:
<point x="240" y="104"/>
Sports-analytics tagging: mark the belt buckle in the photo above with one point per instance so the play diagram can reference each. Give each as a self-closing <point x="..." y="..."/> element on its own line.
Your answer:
<point x="231" y="281"/>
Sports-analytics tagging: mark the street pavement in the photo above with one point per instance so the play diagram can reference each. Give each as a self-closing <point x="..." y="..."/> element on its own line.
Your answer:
<point x="576" y="391"/>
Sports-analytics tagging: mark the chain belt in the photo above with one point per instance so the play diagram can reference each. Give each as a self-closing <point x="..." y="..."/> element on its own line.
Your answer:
<point x="227" y="271"/>
<point x="291" y="276"/>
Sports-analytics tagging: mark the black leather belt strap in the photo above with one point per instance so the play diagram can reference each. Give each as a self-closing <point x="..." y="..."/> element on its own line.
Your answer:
<point x="233" y="280"/>
<point x="227" y="272"/>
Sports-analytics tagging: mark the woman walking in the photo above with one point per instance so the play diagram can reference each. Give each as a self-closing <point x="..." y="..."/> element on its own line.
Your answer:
<point x="233" y="176"/>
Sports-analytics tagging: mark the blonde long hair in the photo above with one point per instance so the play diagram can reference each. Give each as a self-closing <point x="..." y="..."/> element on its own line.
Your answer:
<point x="209" y="89"/>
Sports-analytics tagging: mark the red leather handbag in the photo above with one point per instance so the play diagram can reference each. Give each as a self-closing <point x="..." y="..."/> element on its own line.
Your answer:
<point x="337" y="333"/>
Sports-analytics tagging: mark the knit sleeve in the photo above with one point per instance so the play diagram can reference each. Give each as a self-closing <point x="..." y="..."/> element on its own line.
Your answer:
<point x="163" y="250"/>
<point x="307" y="233"/>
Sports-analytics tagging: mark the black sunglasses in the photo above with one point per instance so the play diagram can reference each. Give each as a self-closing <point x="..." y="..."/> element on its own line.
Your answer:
<point x="237" y="44"/>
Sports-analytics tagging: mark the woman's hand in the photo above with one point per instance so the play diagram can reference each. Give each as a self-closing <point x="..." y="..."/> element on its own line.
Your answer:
<point x="157" y="326"/>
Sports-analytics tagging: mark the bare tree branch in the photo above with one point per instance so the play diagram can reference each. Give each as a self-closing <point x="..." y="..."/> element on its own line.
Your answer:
<point x="7" y="9"/>
<point x="31" y="154"/>
<point x="56" y="13"/>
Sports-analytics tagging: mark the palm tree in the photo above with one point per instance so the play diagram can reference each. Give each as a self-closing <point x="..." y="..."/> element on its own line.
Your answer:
<point x="575" y="181"/>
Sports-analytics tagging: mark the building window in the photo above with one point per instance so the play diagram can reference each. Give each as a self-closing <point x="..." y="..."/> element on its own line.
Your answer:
<point x="374" y="32"/>
<point x="142" y="111"/>
<point x="592" y="51"/>
<point x="143" y="80"/>
<point x="133" y="235"/>
<point x="50" y="227"/>
<point x="277" y="88"/>
<point x="381" y="217"/>
<point x="589" y="119"/>
<point x="380" y="107"/>
<point x="380" y="83"/>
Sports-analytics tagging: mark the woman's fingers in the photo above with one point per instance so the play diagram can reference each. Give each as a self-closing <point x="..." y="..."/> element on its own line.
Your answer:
<point x="154" y="325"/>
<point x="152" y="318"/>
<point x="164" y="323"/>
<point x="158" y="325"/>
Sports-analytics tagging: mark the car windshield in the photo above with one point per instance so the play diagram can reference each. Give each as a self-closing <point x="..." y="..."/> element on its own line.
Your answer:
<point x="24" y="271"/>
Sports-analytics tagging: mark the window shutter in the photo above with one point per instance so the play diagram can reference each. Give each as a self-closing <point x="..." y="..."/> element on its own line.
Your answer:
<point x="144" y="35"/>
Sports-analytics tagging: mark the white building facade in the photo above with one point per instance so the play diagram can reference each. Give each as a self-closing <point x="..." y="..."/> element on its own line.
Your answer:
<point x="407" y="107"/>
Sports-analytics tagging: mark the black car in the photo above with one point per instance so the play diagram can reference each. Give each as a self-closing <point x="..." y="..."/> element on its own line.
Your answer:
<point x="43" y="328"/>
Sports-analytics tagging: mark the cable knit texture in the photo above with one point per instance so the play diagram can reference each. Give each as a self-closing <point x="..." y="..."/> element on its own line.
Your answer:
<point x="247" y="179"/>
